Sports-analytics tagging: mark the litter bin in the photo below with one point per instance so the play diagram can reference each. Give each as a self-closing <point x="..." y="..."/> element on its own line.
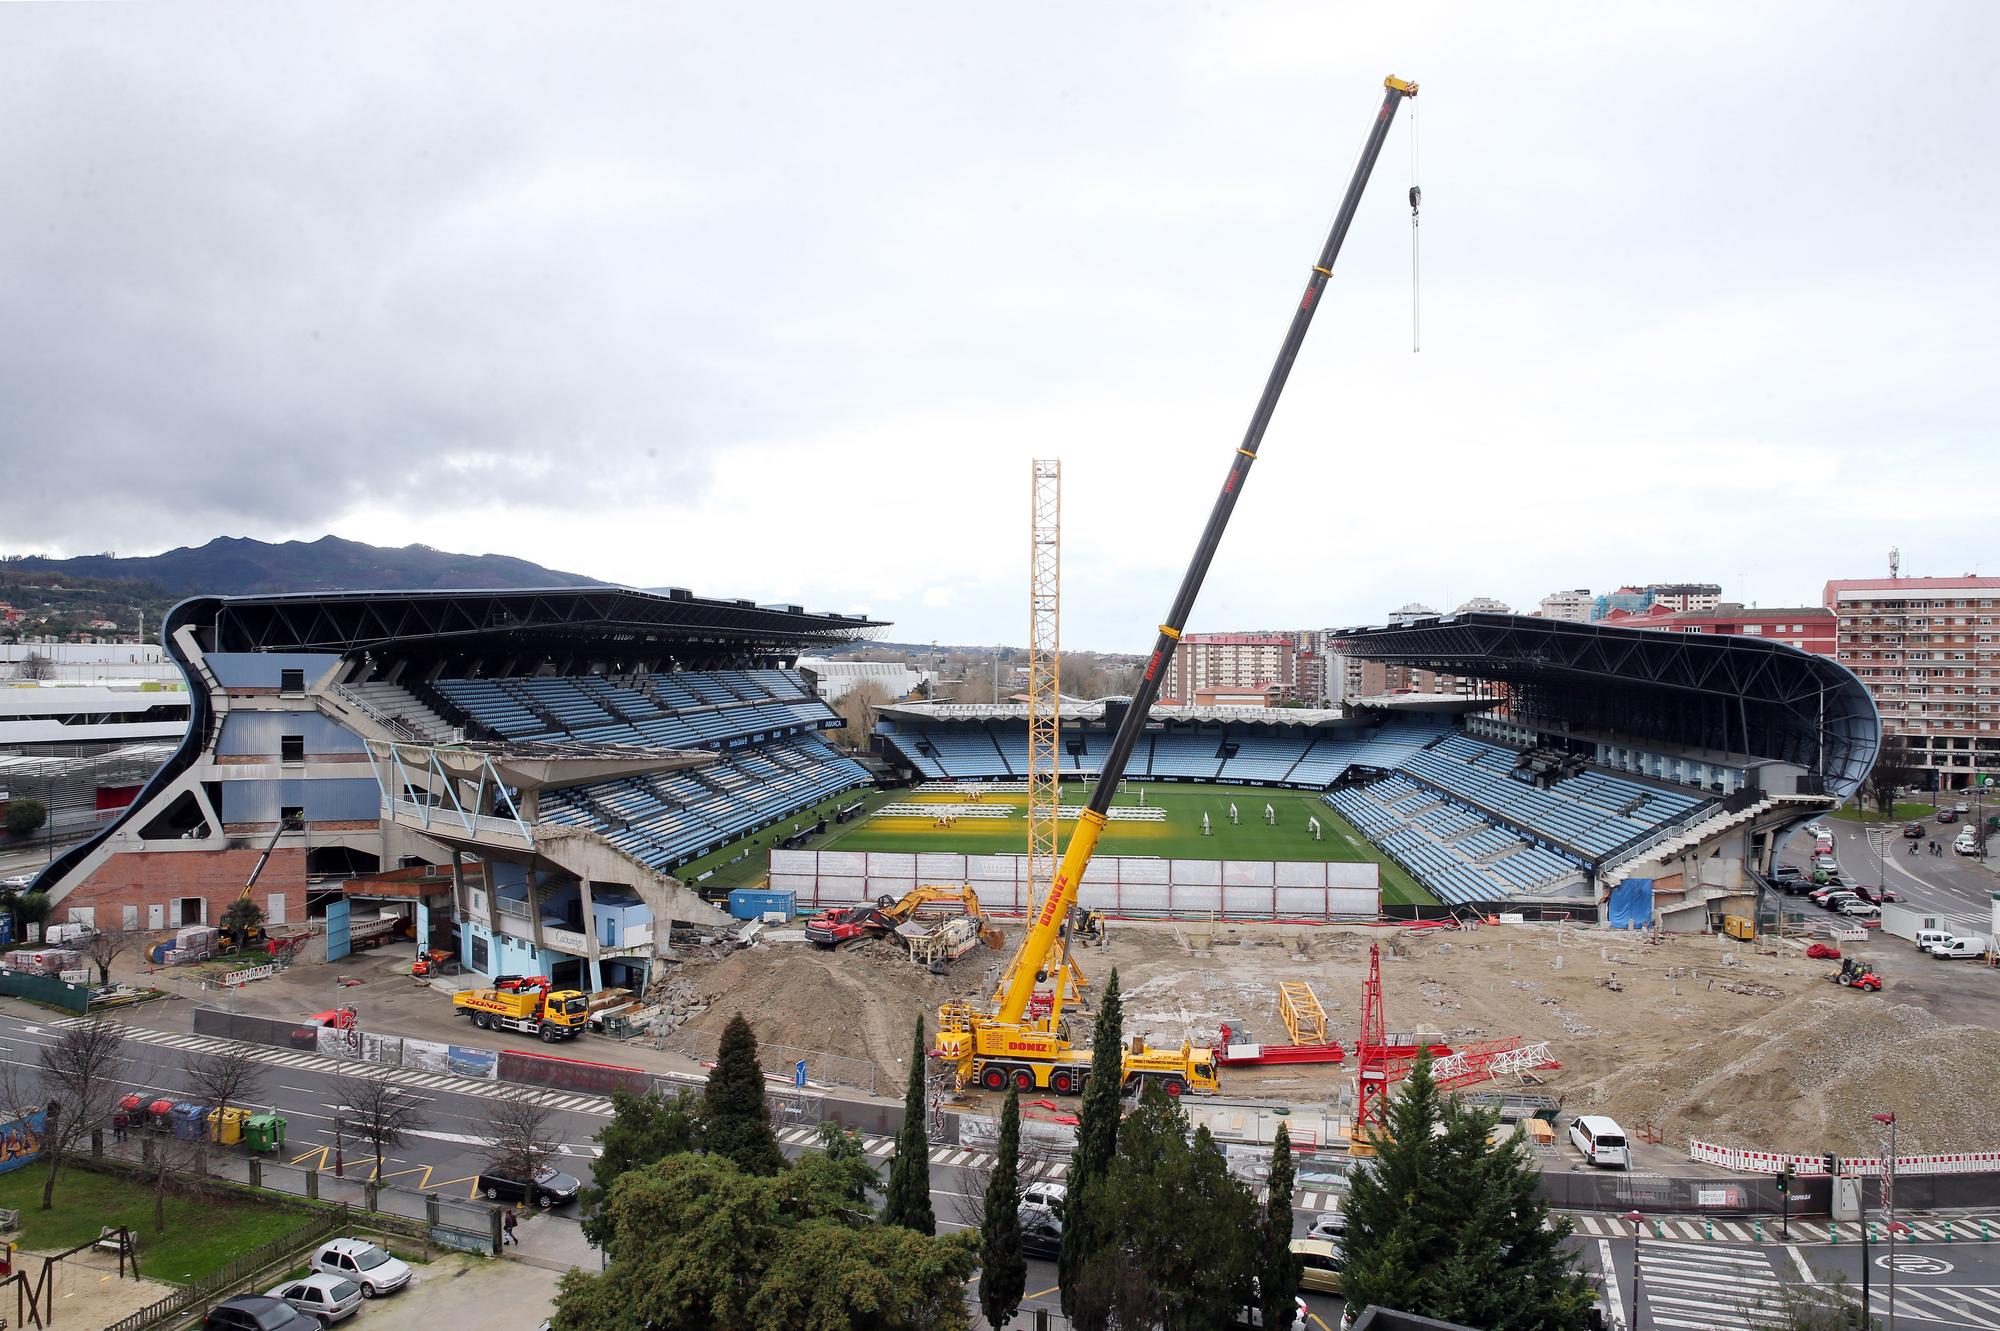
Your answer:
<point x="225" y="1126"/>
<point x="264" y="1132"/>
<point x="188" y="1121"/>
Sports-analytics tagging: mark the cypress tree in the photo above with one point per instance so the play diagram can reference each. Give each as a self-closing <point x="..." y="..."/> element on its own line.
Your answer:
<point x="1086" y="1232"/>
<point x="734" y="1120"/>
<point x="908" y="1201"/>
<point x="1277" y="1268"/>
<point x="1004" y="1267"/>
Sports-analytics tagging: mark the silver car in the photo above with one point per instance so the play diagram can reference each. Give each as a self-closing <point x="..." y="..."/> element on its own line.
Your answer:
<point x="324" y="1298"/>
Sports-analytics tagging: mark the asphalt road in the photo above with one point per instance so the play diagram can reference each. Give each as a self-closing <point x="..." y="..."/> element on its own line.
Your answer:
<point x="1950" y="884"/>
<point x="1735" y="1287"/>
<point x="446" y="1152"/>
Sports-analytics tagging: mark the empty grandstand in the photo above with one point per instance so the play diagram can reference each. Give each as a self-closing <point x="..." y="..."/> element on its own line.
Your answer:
<point x="560" y="752"/>
<point x="1564" y="787"/>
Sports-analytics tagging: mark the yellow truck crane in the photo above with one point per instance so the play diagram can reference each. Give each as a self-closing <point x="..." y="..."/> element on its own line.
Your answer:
<point x="1008" y="1045"/>
<point x="529" y="1004"/>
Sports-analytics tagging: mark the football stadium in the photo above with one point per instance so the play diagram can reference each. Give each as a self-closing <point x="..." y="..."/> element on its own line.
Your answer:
<point x="527" y="777"/>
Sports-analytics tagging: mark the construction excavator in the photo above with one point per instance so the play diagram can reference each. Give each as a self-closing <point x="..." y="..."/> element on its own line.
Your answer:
<point x="1002" y="1043"/>
<point x="880" y="917"/>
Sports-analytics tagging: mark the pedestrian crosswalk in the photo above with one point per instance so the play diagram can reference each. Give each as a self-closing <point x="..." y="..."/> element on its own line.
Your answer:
<point x="956" y="1157"/>
<point x="1707" y="1287"/>
<point x="408" y="1078"/>
<point x="1747" y="1229"/>
<point x="1956" y="1306"/>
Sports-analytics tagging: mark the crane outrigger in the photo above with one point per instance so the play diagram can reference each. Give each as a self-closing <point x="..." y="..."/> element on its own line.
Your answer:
<point x="1008" y="1046"/>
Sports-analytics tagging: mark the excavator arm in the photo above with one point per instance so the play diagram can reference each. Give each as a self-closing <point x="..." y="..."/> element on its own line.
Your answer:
<point x="1040" y="936"/>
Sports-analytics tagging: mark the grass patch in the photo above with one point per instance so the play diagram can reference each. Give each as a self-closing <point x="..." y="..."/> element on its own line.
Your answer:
<point x="1179" y="837"/>
<point x="201" y="1235"/>
<point x="1904" y="813"/>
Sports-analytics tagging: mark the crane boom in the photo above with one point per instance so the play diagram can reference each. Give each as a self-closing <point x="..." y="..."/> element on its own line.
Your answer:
<point x="1041" y="934"/>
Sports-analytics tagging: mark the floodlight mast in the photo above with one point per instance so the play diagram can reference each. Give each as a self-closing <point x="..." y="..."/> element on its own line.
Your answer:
<point x="1061" y="896"/>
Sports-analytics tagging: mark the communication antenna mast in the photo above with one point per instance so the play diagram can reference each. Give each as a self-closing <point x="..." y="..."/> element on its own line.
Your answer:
<point x="1895" y="562"/>
<point x="1044" y="675"/>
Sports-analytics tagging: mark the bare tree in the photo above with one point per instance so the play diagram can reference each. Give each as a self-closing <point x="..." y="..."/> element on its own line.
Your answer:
<point x="170" y="1157"/>
<point x="857" y="707"/>
<point x="518" y="1144"/>
<point x="221" y="1080"/>
<point x="380" y="1114"/>
<point x="107" y="945"/>
<point x="1037" y="1155"/>
<point x="79" y="1093"/>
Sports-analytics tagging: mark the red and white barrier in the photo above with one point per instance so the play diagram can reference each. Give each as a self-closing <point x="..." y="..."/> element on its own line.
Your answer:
<point x="1745" y="1161"/>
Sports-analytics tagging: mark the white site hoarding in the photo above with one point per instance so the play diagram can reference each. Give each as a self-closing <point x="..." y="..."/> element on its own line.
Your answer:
<point x="1114" y="884"/>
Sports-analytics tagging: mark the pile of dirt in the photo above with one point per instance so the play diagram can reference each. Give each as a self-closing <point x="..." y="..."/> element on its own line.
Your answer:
<point x="861" y="1001"/>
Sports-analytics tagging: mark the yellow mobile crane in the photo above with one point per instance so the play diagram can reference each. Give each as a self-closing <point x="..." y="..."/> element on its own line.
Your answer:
<point x="1008" y="1046"/>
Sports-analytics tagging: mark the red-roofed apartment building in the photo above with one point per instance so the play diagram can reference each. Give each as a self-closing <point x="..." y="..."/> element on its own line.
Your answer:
<point x="1925" y="647"/>
<point x="1263" y="664"/>
<point x="1809" y="628"/>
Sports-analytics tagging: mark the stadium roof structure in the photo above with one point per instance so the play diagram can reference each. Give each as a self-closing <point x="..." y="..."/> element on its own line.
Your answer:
<point x="1094" y="710"/>
<point x="345" y="621"/>
<point x="1730" y="694"/>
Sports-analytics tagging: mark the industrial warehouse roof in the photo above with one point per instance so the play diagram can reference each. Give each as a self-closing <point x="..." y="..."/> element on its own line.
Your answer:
<point x="1739" y="695"/>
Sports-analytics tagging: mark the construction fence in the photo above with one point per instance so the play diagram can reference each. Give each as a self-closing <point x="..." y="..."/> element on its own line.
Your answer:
<point x="45" y="989"/>
<point x="1115" y="885"/>
<point x="1906" y="1166"/>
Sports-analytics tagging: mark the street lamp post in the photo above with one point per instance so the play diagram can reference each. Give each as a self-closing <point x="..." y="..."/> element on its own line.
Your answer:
<point x="1636" y="1220"/>
<point x="1889" y="1207"/>
<point x="339" y="1147"/>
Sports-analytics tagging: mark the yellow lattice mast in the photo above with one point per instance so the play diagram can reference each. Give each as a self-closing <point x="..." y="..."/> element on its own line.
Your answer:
<point x="1044" y="677"/>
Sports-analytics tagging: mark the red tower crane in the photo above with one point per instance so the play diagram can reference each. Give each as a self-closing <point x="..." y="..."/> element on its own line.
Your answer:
<point x="1382" y="1063"/>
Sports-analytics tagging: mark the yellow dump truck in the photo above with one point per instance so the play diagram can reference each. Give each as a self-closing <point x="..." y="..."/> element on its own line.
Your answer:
<point x="531" y="1006"/>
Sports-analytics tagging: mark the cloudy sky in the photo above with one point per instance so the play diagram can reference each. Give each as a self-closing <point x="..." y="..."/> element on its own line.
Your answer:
<point x="780" y="301"/>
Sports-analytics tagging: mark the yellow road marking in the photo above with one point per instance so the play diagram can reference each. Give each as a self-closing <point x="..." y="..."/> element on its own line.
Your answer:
<point x="320" y="1151"/>
<point x="1044" y="1293"/>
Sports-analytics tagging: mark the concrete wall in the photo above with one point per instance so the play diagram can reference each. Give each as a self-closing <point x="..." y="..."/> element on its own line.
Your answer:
<point x="146" y="879"/>
<point x="260" y="733"/>
<point x="355" y="799"/>
<point x="264" y="670"/>
<point x="1117" y="885"/>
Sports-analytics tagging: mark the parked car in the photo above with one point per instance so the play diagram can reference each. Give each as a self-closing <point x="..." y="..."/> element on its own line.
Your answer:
<point x="1961" y="809"/>
<point x="551" y="1187"/>
<point x="1049" y="1196"/>
<point x="1925" y="937"/>
<point x="1822" y="896"/>
<point x="1041" y="1232"/>
<point x="1320" y="1264"/>
<point x="1878" y="895"/>
<point x="1947" y="815"/>
<point x="252" y="1312"/>
<point x="1914" y="831"/>
<point x="1328" y="1224"/>
<point x="1826" y="862"/>
<point x="1967" y="842"/>
<point x="1781" y="872"/>
<point x="1818" y="830"/>
<point x="324" y="1298"/>
<point x="1858" y="909"/>
<point x="1840" y="900"/>
<point x="1966" y="946"/>
<point x="362" y="1262"/>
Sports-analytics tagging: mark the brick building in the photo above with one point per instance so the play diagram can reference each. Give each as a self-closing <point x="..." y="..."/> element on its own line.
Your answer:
<point x="1925" y="648"/>
<point x="1235" y="662"/>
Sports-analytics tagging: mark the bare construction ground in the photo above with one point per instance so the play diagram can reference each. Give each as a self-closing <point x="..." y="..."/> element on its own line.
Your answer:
<point x="1701" y="1037"/>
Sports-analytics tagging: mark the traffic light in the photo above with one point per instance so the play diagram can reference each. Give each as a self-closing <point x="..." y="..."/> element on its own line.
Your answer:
<point x="1785" y="1179"/>
<point x="1832" y="1162"/>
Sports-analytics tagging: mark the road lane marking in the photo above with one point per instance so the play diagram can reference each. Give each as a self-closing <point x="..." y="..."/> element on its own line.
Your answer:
<point x="1799" y="1261"/>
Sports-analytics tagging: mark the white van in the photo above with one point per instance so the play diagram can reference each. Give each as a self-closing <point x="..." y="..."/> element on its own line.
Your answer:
<point x="1925" y="937"/>
<point x="1601" y="1141"/>
<point x="1960" y="945"/>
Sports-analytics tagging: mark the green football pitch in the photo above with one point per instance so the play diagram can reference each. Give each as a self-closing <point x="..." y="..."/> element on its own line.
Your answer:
<point x="1179" y="836"/>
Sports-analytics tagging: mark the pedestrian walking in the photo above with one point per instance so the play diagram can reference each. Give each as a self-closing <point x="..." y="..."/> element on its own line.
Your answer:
<point x="118" y="1125"/>
<point x="507" y="1223"/>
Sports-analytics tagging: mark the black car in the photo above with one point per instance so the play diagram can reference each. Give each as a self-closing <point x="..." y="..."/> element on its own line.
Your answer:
<point x="1947" y="815"/>
<point x="1913" y="831"/>
<point x="1041" y="1232"/>
<point x="256" y="1313"/>
<point x="551" y="1187"/>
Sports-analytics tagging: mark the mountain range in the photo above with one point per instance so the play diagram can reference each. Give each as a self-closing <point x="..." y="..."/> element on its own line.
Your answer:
<point x="237" y="566"/>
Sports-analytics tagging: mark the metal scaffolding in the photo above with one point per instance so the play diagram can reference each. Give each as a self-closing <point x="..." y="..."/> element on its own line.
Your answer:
<point x="1044" y="674"/>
